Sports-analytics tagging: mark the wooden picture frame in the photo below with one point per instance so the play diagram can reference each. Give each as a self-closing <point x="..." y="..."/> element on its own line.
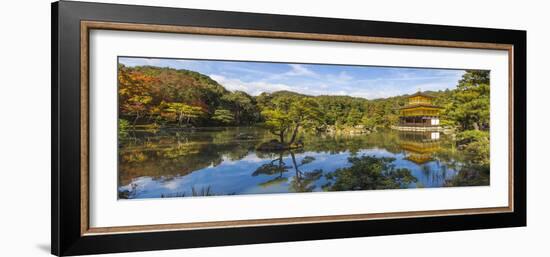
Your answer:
<point x="71" y="25"/>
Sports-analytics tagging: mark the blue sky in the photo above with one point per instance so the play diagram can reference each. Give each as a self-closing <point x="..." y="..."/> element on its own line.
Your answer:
<point x="312" y="79"/>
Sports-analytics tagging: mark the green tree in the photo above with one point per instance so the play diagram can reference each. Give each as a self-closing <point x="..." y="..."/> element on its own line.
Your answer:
<point x="288" y="115"/>
<point x="184" y="112"/>
<point x="223" y="116"/>
<point x="469" y="106"/>
<point x="278" y="122"/>
<point x="368" y="122"/>
<point x="242" y="105"/>
<point x="475" y="144"/>
<point x="137" y="105"/>
<point x="282" y="103"/>
<point x="354" y="117"/>
<point x="305" y="114"/>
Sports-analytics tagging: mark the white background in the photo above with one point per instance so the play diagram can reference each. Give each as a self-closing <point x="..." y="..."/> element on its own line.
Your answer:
<point x="25" y="123"/>
<point x="106" y="211"/>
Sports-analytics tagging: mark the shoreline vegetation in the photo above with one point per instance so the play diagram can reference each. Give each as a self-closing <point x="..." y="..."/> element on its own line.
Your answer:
<point x="153" y="99"/>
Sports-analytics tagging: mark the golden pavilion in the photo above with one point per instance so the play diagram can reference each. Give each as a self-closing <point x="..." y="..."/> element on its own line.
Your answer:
<point x="419" y="114"/>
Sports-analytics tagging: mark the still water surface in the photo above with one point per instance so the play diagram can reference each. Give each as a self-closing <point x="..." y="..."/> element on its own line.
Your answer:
<point x="224" y="161"/>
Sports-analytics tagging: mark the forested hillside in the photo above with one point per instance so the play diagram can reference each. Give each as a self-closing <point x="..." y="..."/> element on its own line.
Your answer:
<point x="152" y="99"/>
<point x="166" y="97"/>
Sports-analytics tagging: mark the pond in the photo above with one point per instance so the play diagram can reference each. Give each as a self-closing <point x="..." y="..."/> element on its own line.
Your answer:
<point x="225" y="161"/>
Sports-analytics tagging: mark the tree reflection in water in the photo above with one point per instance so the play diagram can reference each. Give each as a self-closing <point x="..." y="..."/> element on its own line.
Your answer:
<point x="369" y="173"/>
<point x="275" y="167"/>
<point x="302" y="181"/>
<point x="225" y="161"/>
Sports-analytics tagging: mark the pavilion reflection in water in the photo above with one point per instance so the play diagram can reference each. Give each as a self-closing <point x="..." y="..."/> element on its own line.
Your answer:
<point x="419" y="146"/>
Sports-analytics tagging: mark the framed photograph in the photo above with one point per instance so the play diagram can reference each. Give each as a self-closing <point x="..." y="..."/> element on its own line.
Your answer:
<point x="177" y="128"/>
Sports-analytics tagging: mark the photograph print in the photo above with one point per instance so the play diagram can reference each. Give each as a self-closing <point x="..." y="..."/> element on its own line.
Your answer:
<point x="190" y="127"/>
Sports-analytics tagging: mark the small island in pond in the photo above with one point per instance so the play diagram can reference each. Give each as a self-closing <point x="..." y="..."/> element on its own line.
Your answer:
<point x="210" y="128"/>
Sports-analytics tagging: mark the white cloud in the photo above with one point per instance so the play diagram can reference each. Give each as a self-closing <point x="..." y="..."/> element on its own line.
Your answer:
<point x="296" y="71"/>
<point x="246" y="70"/>
<point x="434" y="86"/>
<point x="340" y="78"/>
<point x="374" y="94"/>
<point x="257" y="87"/>
<point x="300" y="70"/>
<point x="253" y="88"/>
<point x="140" y="61"/>
<point x="307" y="79"/>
